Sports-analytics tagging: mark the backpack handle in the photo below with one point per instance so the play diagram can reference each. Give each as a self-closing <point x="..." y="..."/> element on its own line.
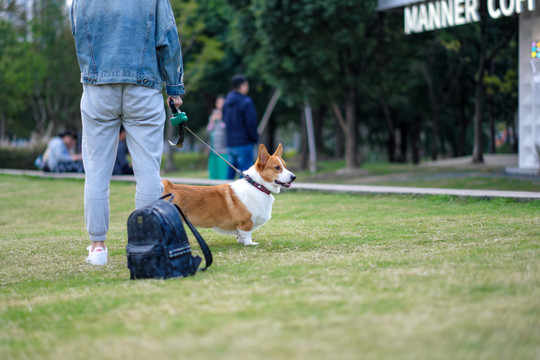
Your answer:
<point x="167" y="195"/>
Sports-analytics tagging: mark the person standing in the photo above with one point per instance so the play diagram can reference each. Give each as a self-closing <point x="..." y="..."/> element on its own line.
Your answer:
<point x="127" y="51"/>
<point x="122" y="166"/>
<point x="240" y="119"/>
<point x="217" y="168"/>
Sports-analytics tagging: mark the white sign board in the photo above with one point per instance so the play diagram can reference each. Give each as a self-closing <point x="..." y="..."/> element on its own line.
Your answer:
<point x="427" y="16"/>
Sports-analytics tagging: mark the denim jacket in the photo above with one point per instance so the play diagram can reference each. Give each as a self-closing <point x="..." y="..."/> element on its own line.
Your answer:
<point x="128" y="41"/>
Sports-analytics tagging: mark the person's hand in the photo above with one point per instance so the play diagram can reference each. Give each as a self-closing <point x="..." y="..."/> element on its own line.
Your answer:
<point x="177" y="101"/>
<point x="76" y="157"/>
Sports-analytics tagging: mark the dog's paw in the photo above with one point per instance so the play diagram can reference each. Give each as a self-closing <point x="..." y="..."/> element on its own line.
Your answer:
<point x="250" y="243"/>
<point x="246" y="241"/>
<point x="244" y="238"/>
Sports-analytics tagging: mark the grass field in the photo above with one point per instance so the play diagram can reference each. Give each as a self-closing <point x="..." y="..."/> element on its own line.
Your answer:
<point x="334" y="277"/>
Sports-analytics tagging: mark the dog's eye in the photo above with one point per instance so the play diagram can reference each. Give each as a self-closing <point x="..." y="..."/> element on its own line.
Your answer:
<point x="278" y="168"/>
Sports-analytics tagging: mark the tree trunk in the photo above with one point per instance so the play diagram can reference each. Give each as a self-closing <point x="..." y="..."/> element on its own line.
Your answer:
<point x="391" y="142"/>
<point x="40" y="114"/>
<point x="310" y="137"/>
<point x="268" y="112"/>
<point x="338" y="144"/>
<point x="2" y="127"/>
<point x="391" y="148"/>
<point x="318" y="122"/>
<point x="463" y="124"/>
<point x="434" y="134"/>
<point x="514" y="133"/>
<point x="340" y="129"/>
<point x="492" y="130"/>
<point x="415" y="139"/>
<point x="303" y="154"/>
<point x="478" y="150"/>
<point x="351" y="136"/>
<point x="272" y="133"/>
<point x="404" y="132"/>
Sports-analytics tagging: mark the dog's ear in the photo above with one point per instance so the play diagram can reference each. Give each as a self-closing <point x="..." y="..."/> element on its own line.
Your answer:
<point x="279" y="151"/>
<point x="263" y="155"/>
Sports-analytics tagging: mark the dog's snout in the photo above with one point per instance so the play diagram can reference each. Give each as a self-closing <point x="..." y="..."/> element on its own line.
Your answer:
<point x="293" y="177"/>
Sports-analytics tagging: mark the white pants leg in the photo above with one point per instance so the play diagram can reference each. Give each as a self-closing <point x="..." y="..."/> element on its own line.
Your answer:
<point x="103" y="109"/>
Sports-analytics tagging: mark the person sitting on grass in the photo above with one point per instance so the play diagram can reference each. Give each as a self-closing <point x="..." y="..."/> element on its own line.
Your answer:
<point x="59" y="156"/>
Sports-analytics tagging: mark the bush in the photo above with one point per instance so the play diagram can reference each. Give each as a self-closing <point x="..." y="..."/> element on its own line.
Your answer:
<point x="19" y="158"/>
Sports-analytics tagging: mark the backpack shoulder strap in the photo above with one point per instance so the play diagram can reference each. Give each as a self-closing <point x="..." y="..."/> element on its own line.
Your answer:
<point x="204" y="247"/>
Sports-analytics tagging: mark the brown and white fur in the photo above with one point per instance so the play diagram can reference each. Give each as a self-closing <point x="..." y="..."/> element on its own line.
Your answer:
<point x="240" y="207"/>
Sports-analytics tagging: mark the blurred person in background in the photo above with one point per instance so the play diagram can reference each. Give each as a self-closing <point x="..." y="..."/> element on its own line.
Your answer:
<point x="122" y="166"/>
<point x="240" y="119"/>
<point x="59" y="156"/>
<point x="217" y="168"/>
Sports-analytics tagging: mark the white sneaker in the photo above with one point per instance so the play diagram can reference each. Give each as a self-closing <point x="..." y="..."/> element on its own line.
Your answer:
<point x="97" y="257"/>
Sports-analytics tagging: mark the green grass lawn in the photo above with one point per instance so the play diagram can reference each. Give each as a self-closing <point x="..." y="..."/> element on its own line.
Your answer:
<point x="334" y="277"/>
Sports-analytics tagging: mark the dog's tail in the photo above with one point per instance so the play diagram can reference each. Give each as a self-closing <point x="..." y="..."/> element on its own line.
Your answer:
<point x="167" y="186"/>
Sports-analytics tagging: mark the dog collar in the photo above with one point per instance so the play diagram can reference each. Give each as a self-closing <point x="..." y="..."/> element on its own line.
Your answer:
<point x="257" y="185"/>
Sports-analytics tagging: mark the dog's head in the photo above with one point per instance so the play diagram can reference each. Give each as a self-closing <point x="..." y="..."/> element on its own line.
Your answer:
<point x="272" y="168"/>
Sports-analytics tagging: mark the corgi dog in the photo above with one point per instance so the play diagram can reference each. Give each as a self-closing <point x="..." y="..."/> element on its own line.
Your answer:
<point x="240" y="207"/>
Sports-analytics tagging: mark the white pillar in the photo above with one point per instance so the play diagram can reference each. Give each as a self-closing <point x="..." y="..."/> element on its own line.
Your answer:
<point x="529" y="91"/>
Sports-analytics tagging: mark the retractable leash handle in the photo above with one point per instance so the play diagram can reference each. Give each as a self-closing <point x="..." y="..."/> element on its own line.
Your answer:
<point x="179" y="120"/>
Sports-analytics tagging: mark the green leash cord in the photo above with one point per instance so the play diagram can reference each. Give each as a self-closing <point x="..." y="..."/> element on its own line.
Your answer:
<point x="180" y="119"/>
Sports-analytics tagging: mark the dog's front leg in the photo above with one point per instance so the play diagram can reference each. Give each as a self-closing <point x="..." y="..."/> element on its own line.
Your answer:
<point x="244" y="238"/>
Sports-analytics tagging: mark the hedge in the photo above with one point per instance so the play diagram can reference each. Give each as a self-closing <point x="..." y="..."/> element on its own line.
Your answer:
<point x="19" y="158"/>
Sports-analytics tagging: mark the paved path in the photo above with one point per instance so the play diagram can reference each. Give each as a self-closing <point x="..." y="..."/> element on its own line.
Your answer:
<point x="372" y="189"/>
<point x="332" y="188"/>
<point x="490" y="160"/>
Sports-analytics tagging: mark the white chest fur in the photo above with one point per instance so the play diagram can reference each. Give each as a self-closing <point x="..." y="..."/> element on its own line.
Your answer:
<point x="257" y="202"/>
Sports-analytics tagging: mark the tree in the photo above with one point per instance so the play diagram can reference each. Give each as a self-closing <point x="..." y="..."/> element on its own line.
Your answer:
<point x="11" y="92"/>
<point x="501" y="83"/>
<point x="397" y="91"/>
<point x="442" y="83"/>
<point x="39" y="66"/>
<point x="203" y="50"/>
<point x="484" y="58"/>
<point x="56" y="88"/>
<point x="364" y="80"/>
<point x="317" y="51"/>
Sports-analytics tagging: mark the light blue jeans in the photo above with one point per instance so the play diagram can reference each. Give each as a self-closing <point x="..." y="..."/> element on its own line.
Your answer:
<point x="103" y="109"/>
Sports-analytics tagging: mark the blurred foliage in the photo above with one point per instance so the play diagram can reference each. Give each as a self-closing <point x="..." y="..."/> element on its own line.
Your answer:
<point x="321" y="49"/>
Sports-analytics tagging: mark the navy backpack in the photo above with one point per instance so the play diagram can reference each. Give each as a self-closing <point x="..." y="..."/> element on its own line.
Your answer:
<point x="158" y="246"/>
